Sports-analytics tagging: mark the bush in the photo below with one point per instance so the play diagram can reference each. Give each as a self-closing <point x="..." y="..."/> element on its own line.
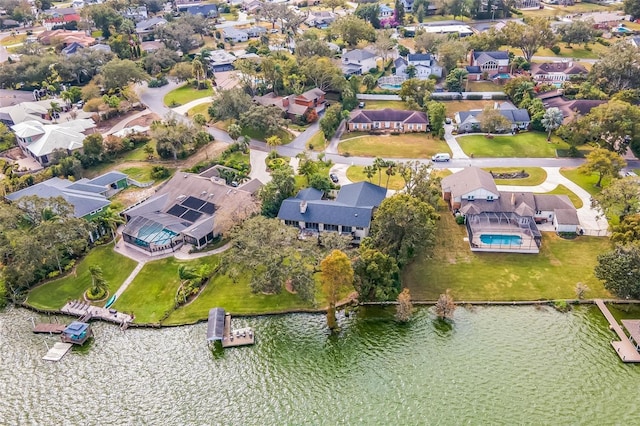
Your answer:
<point x="555" y="49"/>
<point x="460" y="220"/>
<point x="603" y="41"/>
<point x="160" y="172"/>
<point x="499" y="97"/>
<point x="96" y="296"/>
<point x="158" y="82"/>
<point x="474" y="97"/>
<point x="561" y="306"/>
<point x="277" y="163"/>
<point x="93" y="105"/>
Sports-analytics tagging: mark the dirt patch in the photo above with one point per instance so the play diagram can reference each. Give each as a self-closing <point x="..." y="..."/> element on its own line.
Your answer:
<point x="289" y="287"/>
<point x="144" y="121"/>
<point x="103" y="126"/>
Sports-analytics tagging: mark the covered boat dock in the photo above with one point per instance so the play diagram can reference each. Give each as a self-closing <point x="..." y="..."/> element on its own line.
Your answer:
<point x="219" y="329"/>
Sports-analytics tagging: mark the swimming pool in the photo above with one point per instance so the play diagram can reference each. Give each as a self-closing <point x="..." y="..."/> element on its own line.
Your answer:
<point x="503" y="240"/>
<point x="389" y="86"/>
<point x="503" y="76"/>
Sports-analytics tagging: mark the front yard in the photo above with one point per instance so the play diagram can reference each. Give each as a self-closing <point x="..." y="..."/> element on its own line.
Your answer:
<point x="54" y="294"/>
<point x="551" y="274"/>
<point x="586" y="182"/>
<point x="356" y="174"/>
<point x="527" y="145"/>
<point x="185" y="94"/>
<point x="408" y="145"/>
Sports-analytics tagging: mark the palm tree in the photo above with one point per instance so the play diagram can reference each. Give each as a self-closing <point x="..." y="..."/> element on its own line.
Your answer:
<point x="391" y="171"/>
<point x="235" y="131"/>
<point x="198" y="69"/>
<point x="98" y="284"/>
<point x="369" y="171"/>
<point x="379" y="164"/>
<point x="369" y="82"/>
<point x="110" y="219"/>
<point x="551" y="120"/>
<point x="54" y="109"/>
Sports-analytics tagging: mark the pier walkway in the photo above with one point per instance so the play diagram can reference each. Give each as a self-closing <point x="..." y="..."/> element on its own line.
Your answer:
<point x="87" y="312"/>
<point x="624" y="348"/>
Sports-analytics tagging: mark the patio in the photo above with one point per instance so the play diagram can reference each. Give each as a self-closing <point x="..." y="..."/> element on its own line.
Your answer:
<point x="503" y="232"/>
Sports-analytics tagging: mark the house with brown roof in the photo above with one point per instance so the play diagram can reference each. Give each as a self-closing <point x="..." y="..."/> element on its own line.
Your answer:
<point x="504" y="221"/>
<point x="65" y="37"/>
<point x="556" y="72"/>
<point x="295" y="106"/>
<point x="570" y="107"/>
<point x="388" y="121"/>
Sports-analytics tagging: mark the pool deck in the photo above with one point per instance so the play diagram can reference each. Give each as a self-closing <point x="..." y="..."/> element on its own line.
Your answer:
<point x="625" y="349"/>
<point x="528" y="243"/>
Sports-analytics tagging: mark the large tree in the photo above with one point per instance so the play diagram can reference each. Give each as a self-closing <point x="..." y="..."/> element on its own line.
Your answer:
<point x="617" y="69"/>
<point x="280" y="187"/>
<point x="230" y="104"/>
<point x="632" y="7"/>
<point x="491" y="120"/>
<point x="529" y="38"/>
<point x="265" y="119"/>
<point x="614" y="125"/>
<point x="403" y="227"/>
<point x="451" y="52"/>
<point x="336" y="275"/>
<point x="437" y="112"/>
<point x="178" y="35"/>
<point x="627" y="231"/>
<point x="420" y="182"/>
<point x="428" y="42"/>
<point x="334" y="4"/>
<point x="376" y="276"/>
<point x="577" y="32"/>
<point x="620" y="270"/>
<point x="352" y="30"/>
<point x="603" y="162"/>
<point x="322" y="73"/>
<point x="620" y="199"/>
<point x="417" y="92"/>
<point x="118" y="73"/>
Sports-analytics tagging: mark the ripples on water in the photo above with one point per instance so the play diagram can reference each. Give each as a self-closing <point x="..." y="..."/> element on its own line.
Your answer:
<point x="501" y="365"/>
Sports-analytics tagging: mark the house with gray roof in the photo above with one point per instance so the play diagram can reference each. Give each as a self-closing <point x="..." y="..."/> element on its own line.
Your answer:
<point x="504" y="221"/>
<point x="425" y="65"/>
<point x="188" y="209"/>
<point x="88" y="197"/>
<point x="235" y="35"/>
<point x="206" y="10"/>
<point x="26" y="111"/>
<point x="487" y="63"/>
<point x="469" y="121"/>
<point x="39" y="140"/>
<point x="358" y="61"/>
<point x="148" y="26"/>
<point x="388" y="121"/>
<point x="349" y="214"/>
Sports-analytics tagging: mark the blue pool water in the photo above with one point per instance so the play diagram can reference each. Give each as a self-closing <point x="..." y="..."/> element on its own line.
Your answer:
<point x="504" y="76"/>
<point x="390" y="86"/>
<point x="505" y="240"/>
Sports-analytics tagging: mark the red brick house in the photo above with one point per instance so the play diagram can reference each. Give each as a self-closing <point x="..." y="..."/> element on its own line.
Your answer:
<point x="295" y="106"/>
<point x="388" y="121"/>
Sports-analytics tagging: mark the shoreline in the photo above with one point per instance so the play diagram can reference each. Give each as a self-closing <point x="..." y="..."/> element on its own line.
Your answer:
<point x="461" y="303"/>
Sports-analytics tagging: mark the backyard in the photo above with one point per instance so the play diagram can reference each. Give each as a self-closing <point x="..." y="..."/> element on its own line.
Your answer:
<point x="551" y="274"/>
<point x="527" y="144"/>
<point x="483" y="86"/>
<point x="54" y="294"/>
<point x="408" y="145"/>
<point x="185" y="94"/>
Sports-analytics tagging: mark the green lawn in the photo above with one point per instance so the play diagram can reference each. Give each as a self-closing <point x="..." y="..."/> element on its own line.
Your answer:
<point x="317" y="141"/>
<point x="151" y="295"/>
<point x="466" y="105"/>
<point x="185" y="94"/>
<point x="408" y="145"/>
<point x="13" y="39"/>
<point x="561" y="11"/>
<point x="200" y="109"/>
<point x="586" y="182"/>
<point x="537" y="175"/>
<point x="53" y="295"/>
<point x="356" y="174"/>
<point x="138" y="154"/>
<point x="483" y="86"/>
<point x="385" y="104"/>
<point x="551" y="274"/>
<point x="561" y="189"/>
<point x="141" y="174"/>
<point x="528" y="144"/>
<point x="575" y="51"/>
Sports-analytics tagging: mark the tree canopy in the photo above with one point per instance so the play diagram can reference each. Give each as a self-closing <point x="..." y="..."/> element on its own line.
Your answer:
<point x="603" y="162"/>
<point x="529" y="38"/>
<point x="619" y="269"/>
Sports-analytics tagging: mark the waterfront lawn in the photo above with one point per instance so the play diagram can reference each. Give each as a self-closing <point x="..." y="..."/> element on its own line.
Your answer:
<point x="236" y="298"/>
<point x="54" y="294"/>
<point x="185" y="94"/>
<point x="586" y="182"/>
<point x="151" y="295"/>
<point x="551" y="274"/>
<point x="408" y="145"/>
<point x="537" y="175"/>
<point x="527" y="145"/>
<point x="356" y="174"/>
<point x="563" y="190"/>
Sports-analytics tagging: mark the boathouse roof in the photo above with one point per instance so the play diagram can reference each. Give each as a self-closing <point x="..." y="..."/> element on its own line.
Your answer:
<point x="215" y="325"/>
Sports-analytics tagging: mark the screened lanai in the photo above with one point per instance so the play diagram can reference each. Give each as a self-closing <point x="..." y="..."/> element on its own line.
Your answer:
<point x="154" y="232"/>
<point x="503" y="232"/>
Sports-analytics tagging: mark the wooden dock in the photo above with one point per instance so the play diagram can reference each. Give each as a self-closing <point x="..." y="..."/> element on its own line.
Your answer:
<point x="58" y="351"/>
<point x="49" y="328"/>
<point x="87" y="312"/>
<point x="240" y="337"/>
<point x="625" y="349"/>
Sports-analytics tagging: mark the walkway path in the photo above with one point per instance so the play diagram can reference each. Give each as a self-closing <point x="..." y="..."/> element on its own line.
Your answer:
<point x="454" y="146"/>
<point x="624" y="348"/>
<point x="183" y="109"/>
<point x="129" y="279"/>
<point x="259" y="166"/>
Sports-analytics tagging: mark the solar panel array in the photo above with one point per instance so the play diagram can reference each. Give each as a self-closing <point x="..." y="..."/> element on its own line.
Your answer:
<point x="191" y="209"/>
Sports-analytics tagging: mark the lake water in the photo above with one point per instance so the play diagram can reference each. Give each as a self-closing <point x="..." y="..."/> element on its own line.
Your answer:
<point x="505" y="365"/>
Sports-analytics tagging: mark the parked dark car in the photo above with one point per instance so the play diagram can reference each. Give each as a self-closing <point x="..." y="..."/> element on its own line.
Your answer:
<point x="334" y="177"/>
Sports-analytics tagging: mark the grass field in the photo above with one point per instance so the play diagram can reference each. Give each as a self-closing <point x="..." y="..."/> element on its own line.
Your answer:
<point x="560" y="11"/>
<point x="13" y="39"/>
<point x="457" y="106"/>
<point x="528" y="144"/>
<point x="385" y="104"/>
<point x="138" y="154"/>
<point x="151" y="295"/>
<point x="200" y="109"/>
<point x="409" y="145"/>
<point x="575" y="51"/>
<point x="356" y="174"/>
<point x="537" y="175"/>
<point x="141" y="174"/>
<point x="563" y="190"/>
<point x="483" y="86"/>
<point x="185" y="94"/>
<point x="551" y="274"/>
<point x="316" y="141"/>
<point x="54" y="294"/>
<point x="586" y="182"/>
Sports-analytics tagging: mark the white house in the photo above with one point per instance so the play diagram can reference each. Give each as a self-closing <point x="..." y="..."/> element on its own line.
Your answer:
<point x="235" y="35"/>
<point x="556" y="72"/>
<point x="358" y="61"/>
<point x="385" y="12"/>
<point x="424" y="64"/>
<point x="39" y="140"/>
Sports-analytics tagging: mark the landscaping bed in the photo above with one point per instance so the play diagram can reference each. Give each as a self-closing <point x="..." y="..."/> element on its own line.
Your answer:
<point x="521" y="176"/>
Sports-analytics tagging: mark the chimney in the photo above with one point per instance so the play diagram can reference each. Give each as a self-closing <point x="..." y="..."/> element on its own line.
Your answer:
<point x="513" y="198"/>
<point x="303" y="207"/>
<point x="285" y="102"/>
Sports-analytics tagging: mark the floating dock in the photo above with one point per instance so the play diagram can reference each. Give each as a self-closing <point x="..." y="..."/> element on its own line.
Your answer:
<point x="58" y="351"/>
<point x="48" y="328"/>
<point x="625" y="348"/>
